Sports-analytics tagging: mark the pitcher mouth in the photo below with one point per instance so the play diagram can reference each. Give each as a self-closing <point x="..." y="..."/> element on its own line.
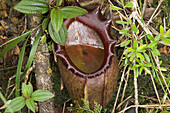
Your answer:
<point x="101" y="26"/>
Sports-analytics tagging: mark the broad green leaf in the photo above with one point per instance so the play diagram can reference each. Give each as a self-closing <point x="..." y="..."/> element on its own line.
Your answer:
<point x="32" y="6"/>
<point x="167" y="34"/>
<point x="125" y="43"/>
<point x="150" y="37"/>
<point x="135" y="44"/>
<point x="130" y="49"/>
<point x="135" y="29"/>
<point x="121" y="22"/>
<point x="30" y="88"/>
<point x="167" y="40"/>
<point x="124" y="31"/>
<point x="14" y="42"/>
<point x="158" y="37"/>
<point x="141" y="47"/>
<point x="140" y="56"/>
<point x="45" y="24"/>
<point x="152" y="44"/>
<point x="115" y="8"/>
<point x="43" y="38"/>
<point x="41" y="95"/>
<point x="30" y="104"/>
<point x="32" y="53"/>
<point x="147" y="70"/>
<point x="5" y="102"/>
<point x="25" y="90"/>
<point x="56" y="19"/>
<point x="73" y="11"/>
<point x="161" y="30"/>
<point x="59" y="37"/>
<point x="155" y="51"/>
<point x="132" y="56"/>
<point x="129" y="5"/>
<point x="16" y="104"/>
<point x="19" y="66"/>
<point x="147" y="57"/>
<point x="58" y="3"/>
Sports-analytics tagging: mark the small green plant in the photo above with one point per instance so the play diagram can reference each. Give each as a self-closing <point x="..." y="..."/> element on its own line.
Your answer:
<point x="29" y="97"/>
<point x="86" y="108"/>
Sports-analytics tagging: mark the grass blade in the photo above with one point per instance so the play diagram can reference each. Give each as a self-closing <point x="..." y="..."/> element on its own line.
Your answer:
<point x="17" y="80"/>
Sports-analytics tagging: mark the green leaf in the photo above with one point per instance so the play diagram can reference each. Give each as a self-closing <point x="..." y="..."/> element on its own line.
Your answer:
<point x="130" y="49"/>
<point x="19" y="66"/>
<point x="158" y="37"/>
<point x="73" y="11"/>
<point x="56" y="19"/>
<point x="161" y="30"/>
<point x="115" y="8"/>
<point x="30" y="88"/>
<point x="59" y="37"/>
<point x="58" y="3"/>
<point x="140" y="56"/>
<point x="155" y="51"/>
<point x="43" y="38"/>
<point x="125" y="43"/>
<point x="167" y="40"/>
<point x="147" y="70"/>
<point x="32" y="53"/>
<point x="32" y="6"/>
<point x="25" y="90"/>
<point x="141" y="47"/>
<point x="5" y="102"/>
<point x="150" y="37"/>
<point x="167" y="34"/>
<point x="132" y="56"/>
<point x="134" y="28"/>
<point x="140" y="70"/>
<point x="125" y="51"/>
<point x="164" y="43"/>
<point x="152" y="44"/>
<point x="122" y="2"/>
<point x="121" y="22"/>
<point x="14" y="42"/>
<point x="45" y="24"/>
<point x="16" y="104"/>
<point x="129" y="5"/>
<point x="124" y="31"/>
<point x="41" y="95"/>
<point x="163" y="69"/>
<point x="30" y="104"/>
<point x="147" y="57"/>
<point x="135" y="44"/>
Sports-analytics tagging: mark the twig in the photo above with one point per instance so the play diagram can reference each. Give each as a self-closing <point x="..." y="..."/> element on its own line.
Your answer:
<point x="155" y="87"/>
<point x="136" y="90"/>
<point x="146" y="106"/>
<point x="160" y="71"/>
<point x="124" y="89"/>
<point x="65" y="105"/>
<point x="27" y="74"/>
<point x="154" y="12"/>
<point x="124" y="101"/>
<point x="123" y="74"/>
